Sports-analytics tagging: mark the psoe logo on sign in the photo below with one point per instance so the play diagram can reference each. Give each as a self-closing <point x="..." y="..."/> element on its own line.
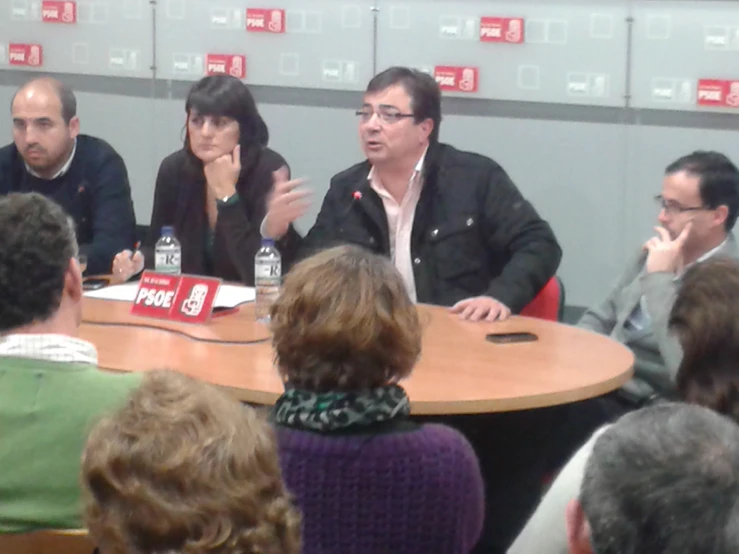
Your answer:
<point x="502" y="29"/>
<point x="54" y="11"/>
<point x="447" y="81"/>
<point x="456" y="79"/>
<point x="265" y="20"/>
<point x="155" y="297"/>
<point x="711" y="92"/>
<point x="194" y="300"/>
<point x="226" y="64"/>
<point x="28" y="55"/>
<point x="732" y="98"/>
<point x="185" y="298"/>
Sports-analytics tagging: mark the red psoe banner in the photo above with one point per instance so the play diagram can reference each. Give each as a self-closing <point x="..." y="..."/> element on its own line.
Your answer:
<point x="456" y="78"/>
<point x="265" y="20"/>
<point x="54" y="11"/>
<point x="502" y="29"/>
<point x="27" y="55"/>
<point x="226" y="64"/>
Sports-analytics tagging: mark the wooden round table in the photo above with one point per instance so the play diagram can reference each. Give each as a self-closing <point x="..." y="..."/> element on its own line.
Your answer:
<point x="459" y="371"/>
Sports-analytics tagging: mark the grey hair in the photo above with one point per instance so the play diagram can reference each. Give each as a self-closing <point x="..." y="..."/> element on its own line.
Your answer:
<point x="664" y="480"/>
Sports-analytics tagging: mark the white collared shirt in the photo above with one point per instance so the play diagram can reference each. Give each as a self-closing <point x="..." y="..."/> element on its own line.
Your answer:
<point x="48" y="347"/>
<point x="62" y="170"/>
<point x="703" y="258"/>
<point x="400" y="218"/>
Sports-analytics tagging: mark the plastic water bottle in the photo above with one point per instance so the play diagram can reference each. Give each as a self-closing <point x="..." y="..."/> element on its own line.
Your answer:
<point x="267" y="278"/>
<point x="168" y="253"/>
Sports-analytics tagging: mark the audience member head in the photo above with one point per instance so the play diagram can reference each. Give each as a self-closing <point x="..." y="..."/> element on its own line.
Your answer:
<point x="661" y="480"/>
<point x="183" y="468"/>
<point x="704" y="318"/>
<point x="702" y="188"/>
<point x="45" y="124"/>
<point x="400" y="116"/>
<point x="344" y="322"/>
<point x="221" y="113"/>
<point x="40" y="278"/>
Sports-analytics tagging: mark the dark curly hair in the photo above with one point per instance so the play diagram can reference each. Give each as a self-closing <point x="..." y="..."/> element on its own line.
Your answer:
<point x="37" y="243"/>
<point x="344" y="322"/>
<point x="184" y="468"/>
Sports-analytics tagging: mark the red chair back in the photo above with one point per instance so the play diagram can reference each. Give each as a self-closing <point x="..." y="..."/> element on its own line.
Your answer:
<point x="548" y="303"/>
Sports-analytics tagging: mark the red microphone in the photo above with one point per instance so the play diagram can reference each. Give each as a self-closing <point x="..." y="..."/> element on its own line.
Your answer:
<point x="357" y="195"/>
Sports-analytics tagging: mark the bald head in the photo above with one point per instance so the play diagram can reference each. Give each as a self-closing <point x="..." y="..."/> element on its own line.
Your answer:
<point x="50" y="86"/>
<point x="45" y="125"/>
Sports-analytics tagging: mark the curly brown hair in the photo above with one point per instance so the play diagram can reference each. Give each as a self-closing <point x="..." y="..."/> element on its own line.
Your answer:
<point x="181" y="467"/>
<point x="705" y="318"/>
<point x="344" y="322"/>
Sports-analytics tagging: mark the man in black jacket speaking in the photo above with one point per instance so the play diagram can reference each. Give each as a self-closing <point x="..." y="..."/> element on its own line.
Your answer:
<point x="457" y="228"/>
<point x="81" y="173"/>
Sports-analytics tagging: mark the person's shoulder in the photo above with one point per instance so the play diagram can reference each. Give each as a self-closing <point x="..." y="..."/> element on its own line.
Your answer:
<point x="176" y="158"/>
<point x="272" y="160"/>
<point x="8" y="156"/>
<point x="108" y="384"/>
<point x="173" y="163"/>
<point x="447" y="155"/>
<point x="351" y="175"/>
<point x="89" y="146"/>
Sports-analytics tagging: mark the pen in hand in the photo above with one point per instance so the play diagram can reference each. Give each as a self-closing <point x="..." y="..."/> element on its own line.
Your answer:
<point x="135" y="248"/>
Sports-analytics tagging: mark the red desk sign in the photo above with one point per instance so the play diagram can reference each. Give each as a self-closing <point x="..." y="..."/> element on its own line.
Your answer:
<point x="502" y="29"/>
<point x="54" y="11"/>
<point x="457" y="79"/>
<point x="263" y="20"/>
<point x="226" y="64"/>
<point x="718" y="93"/>
<point x="185" y="298"/>
<point x="29" y="55"/>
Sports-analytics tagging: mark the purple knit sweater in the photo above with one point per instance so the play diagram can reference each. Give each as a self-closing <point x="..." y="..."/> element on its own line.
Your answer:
<point x="409" y="491"/>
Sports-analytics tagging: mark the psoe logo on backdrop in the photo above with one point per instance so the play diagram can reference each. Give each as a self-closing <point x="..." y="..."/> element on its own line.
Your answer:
<point x="226" y="64"/>
<point x="265" y="20"/>
<point x="28" y="55"/>
<point x="456" y="79"/>
<point x="54" y="11"/>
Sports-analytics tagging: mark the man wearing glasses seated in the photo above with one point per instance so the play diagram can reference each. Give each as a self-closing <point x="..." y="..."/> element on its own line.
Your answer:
<point x="453" y="222"/>
<point x="698" y="209"/>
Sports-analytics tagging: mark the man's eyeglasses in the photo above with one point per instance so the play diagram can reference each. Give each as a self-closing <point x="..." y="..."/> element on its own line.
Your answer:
<point x="385" y="115"/>
<point x="673" y="208"/>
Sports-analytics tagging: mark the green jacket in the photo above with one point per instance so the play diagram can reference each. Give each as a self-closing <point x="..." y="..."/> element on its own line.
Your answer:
<point x="46" y="411"/>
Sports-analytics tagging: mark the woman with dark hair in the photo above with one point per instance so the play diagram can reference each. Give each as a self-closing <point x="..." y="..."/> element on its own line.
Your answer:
<point x="366" y="477"/>
<point x="705" y="320"/>
<point x="213" y="191"/>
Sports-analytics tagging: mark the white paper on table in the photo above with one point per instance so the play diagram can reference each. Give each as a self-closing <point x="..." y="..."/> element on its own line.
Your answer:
<point x="228" y="295"/>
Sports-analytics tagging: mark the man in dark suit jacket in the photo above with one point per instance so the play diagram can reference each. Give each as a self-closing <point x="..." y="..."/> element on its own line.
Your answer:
<point x="456" y="227"/>
<point x="83" y="174"/>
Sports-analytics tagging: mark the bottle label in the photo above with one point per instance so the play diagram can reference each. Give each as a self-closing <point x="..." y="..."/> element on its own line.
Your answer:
<point x="167" y="262"/>
<point x="268" y="271"/>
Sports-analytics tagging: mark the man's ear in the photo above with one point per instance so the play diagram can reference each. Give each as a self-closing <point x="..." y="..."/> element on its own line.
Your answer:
<point x="73" y="280"/>
<point x="74" y="127"/>
<point x="578" y="529"/>
<point x="722" y="212"/>
<point x="427" y="127"/>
